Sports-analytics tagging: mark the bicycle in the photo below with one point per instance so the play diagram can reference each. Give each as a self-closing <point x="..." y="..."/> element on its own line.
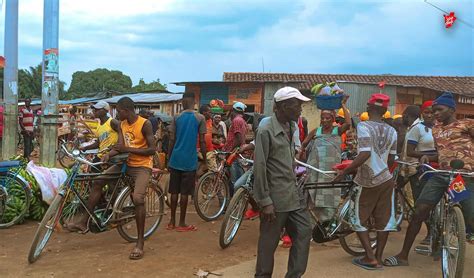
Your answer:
<point x="339" y="226"/>
<point x="15" y="193"/>
<point x="238" y="204"/>
<point x="212" y="191"/>
<point x="404" y="209"/>
<point x="118" y="211"/>
<point x="447" y="227"/>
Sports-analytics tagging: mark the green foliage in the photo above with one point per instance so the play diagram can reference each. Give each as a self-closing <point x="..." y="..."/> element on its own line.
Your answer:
<point x="98" y="80"/>
<point x="143" y="86"/>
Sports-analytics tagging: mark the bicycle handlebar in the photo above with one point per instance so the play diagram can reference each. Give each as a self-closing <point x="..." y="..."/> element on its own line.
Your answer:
<point x="327" y="173"/>
<point x="245" y="159"/>
<point x="406" y="163"/>
<point x="79" y="158"/>
<point x="433" y="170"/>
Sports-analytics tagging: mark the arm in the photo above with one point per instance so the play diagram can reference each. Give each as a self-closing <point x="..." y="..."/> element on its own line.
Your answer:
<point x="347" y="118"/>
<point x="92" y="146"/>
<point x="261" y="189"/>
<point x="202" y="142"/>
<point x="115" y="125"/>
<point x="20" y="121"/>
<point x="114" y="151"/>
<point x="202" y="135"/>
<point x="308" y="139"/>
<point x="171" y="137"/>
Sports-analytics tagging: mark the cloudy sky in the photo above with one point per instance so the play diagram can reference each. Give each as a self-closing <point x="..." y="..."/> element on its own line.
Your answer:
<point x="197" y="40"/>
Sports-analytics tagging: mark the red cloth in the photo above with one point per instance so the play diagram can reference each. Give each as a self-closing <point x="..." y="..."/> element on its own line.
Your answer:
<point x="426" y="104"/>
<point x="301" y="129"/>
<point x="27" y="117"/>
<point x="238" y="126"/>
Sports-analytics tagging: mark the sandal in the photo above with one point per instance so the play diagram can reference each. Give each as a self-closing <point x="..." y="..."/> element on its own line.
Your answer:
<point x="189" y="228"/>
<point x="136" y="254"/>
<point x="394" y="261"/>
<point x="358" y="262"/>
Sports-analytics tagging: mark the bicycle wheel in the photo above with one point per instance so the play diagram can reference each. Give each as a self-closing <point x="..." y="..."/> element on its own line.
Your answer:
<point x="211" y="195"/>
<point x="233" y="217"/>
<point x="351" y="243"/>
<point x="454" y="244"/>
<point x="46" y="228"/>
<point x="72" y="205"/>
<point x="399" y="208"/>
<point x="14" y="200"/>
<point x="125" y="216"/>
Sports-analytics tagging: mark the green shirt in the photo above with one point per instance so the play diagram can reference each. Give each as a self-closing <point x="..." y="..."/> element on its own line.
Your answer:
<point x="274" y="177"/>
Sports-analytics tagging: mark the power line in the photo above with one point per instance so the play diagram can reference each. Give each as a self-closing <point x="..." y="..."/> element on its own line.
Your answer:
<point x="445" y="12"/>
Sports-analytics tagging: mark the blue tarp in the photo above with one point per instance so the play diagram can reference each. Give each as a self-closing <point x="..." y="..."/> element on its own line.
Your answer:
<point x="147" y="97"/>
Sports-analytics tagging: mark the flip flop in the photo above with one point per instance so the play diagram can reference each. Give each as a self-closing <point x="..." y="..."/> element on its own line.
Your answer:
<point x="136" y="254"/>
<point x="189" y="228"/>
<point x="358" y="262"/>
<point x="170" y="227"/>
<point x="394" y="261"/>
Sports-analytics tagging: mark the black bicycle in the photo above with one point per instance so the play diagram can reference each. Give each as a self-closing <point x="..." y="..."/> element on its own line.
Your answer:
<point x="117" y="211"/>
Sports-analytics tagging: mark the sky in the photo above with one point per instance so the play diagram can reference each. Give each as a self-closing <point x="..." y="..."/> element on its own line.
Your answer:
<point x="199" y="40"/>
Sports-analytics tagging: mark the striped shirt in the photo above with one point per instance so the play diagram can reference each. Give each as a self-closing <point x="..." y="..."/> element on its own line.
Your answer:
<point x="27" y="118"/>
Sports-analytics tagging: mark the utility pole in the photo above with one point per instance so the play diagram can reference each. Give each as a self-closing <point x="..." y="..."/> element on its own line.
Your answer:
<point x="50" y="83"/>
<point x="10" y="81"/>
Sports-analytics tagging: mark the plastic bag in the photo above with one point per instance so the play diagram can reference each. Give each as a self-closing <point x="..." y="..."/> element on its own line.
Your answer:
<point x="49" y="180"/>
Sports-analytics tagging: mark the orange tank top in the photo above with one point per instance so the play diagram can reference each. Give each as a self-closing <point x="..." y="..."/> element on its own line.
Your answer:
<point x="133" y="138"/>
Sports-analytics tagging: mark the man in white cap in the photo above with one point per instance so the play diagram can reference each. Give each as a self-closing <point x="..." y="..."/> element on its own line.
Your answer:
<point x="236" y="139"/>
<point x="282" y="204"/>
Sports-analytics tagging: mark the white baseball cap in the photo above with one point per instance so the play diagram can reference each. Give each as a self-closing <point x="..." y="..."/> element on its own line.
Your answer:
<point x="101" y="105"/>
<point x="287" y="93"/>
<point x="239" y="106"/>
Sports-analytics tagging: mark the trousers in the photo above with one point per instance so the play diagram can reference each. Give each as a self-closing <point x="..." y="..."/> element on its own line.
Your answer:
<point x="298" y="227"/>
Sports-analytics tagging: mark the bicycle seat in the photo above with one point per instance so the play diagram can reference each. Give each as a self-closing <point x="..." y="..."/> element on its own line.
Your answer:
<point x="343" y="165"/>
<point x="118" y="159"/>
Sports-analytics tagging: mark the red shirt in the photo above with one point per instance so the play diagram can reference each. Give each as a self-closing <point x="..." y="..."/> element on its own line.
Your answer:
<point x="27" y="117"/>
<point x="238" y="126"/>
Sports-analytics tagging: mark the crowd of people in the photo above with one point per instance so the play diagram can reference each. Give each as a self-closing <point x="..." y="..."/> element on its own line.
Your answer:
<point x="429" y="133"/>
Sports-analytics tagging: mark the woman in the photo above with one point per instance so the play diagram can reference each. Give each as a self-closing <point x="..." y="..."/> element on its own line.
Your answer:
<point x="323" y="151"/>
<point x="218" y="137"/>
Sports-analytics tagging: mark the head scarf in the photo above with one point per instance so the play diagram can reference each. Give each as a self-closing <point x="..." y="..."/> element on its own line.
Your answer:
<point x="426" y="104"/>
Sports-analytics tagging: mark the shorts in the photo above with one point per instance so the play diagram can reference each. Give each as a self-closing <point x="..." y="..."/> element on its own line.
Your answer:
<point x="182" y="182"/>
<point x="376" y="202"/>
<point x="141" y="176"/>
<point x="435" y="188"/>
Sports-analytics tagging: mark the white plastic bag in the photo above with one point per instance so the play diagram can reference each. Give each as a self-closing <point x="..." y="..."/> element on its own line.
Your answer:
<point x="49" y="180"/>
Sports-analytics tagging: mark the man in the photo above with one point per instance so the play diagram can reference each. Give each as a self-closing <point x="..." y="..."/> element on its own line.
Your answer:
<point x="283" y="204"/>
<point x="107" y="131"/>
<point x="376" y="154"/>
<point x="210" y="158"/>
<point x="185" y="129"/>
<point x="236" y="139"/>
<point x="26" y="119"/>
<point x="136" y="138"/>
<point x="454" y="139"/>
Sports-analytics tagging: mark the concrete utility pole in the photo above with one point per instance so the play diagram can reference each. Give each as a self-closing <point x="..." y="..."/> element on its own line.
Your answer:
<point x="50" y="88"/>
<point x="10" y="81"/>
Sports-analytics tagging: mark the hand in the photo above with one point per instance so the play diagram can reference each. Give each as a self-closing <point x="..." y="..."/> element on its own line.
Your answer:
<point x="339" y="177"/>
<point x="121" y="148"/>
<point x="268" y="213"/>
<point x="424" y="160"/>
<point x="105" y="158"/>
<point x="344" y="100"/>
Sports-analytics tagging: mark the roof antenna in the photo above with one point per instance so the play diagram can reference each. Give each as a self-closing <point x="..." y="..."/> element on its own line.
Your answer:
<point x="263" y="65"/>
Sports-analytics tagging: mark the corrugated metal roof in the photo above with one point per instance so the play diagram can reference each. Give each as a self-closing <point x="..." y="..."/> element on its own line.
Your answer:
<point x="147" y="97"/>
<point x="79" y="100"/>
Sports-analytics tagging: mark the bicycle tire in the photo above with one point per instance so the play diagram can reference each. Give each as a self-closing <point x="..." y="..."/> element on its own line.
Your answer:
<point x="446" y="267"/>
<point x="238" y="204"/>
<point x="40" y="240"/>
<point x="355" y="250"/>
<point x="399" y="208"/>
<point x="198" y="203"/>
<point x="126" y="203"/>
<point x="25" y="197"/>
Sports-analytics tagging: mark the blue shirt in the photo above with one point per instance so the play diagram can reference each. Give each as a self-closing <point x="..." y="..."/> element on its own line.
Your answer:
<point x="185" y="129"/>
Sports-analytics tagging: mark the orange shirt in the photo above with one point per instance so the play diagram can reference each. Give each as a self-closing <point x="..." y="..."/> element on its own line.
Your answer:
<point x="133" y="138"/>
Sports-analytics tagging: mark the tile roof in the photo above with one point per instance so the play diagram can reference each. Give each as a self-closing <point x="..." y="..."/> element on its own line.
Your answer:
<point x="461" y="85"/>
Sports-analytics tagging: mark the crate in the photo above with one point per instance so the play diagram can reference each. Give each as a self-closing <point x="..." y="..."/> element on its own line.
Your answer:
<point x="332" y="102"/>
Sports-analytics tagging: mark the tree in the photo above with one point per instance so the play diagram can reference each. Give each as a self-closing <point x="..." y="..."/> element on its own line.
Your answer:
<point x="143" y="86"/>
<point x="29" y="82"/>
<point x="99" y="80"/>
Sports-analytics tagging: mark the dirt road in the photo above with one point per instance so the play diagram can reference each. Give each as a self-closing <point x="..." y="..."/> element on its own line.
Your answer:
<point x="173" y="254"/>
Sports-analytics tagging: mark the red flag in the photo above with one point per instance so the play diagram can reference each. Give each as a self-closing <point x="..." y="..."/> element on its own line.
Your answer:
<point x="449" y="20"/>
<point x="382" y="84"/>
<point x="2" y="62"/>
<point x="457" y="190"/>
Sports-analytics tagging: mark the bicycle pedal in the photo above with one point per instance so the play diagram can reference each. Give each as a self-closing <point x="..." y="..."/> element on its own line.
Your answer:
<point x="423" y="250"/>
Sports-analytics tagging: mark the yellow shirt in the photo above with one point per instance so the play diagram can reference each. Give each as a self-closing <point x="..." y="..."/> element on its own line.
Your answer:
<point x="133" y="138"/>
<point x="107" y="137"/>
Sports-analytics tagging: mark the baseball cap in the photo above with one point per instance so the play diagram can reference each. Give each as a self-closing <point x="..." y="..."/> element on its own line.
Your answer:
<point x="387" y="115"/>
<point x="101" y="105"/>
<point x="287" y="93"/>
<point x="379" y="100"/>
<point x="239" y="106"/>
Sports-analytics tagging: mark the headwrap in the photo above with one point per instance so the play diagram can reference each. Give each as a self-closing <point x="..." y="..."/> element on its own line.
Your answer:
<point x="426" y="104"/>
<point x="331" y="112"/>
<point x="445" y="99"/>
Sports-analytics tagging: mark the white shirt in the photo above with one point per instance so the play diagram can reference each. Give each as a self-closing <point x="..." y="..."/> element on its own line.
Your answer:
<point x="380" y="140"/>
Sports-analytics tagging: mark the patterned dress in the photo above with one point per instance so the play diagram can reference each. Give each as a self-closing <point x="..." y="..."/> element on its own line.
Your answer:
<point x="324" y="151"/>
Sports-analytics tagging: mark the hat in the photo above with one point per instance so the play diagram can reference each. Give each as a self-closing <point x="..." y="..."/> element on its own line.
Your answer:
<point x="387" y="115"/>
<point x="239" y="106"/>
<point x="101" y="105"/>
<point x="288" y="93"/>
<point x="379" y="100"/>
<point x="426" y="104"/>
<point x="445" y="99"/>
<point x="364" y="116"/>
<point x="397" y="116"/>
<point x="340" y="112"/>
<point x="217" y="110"/>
